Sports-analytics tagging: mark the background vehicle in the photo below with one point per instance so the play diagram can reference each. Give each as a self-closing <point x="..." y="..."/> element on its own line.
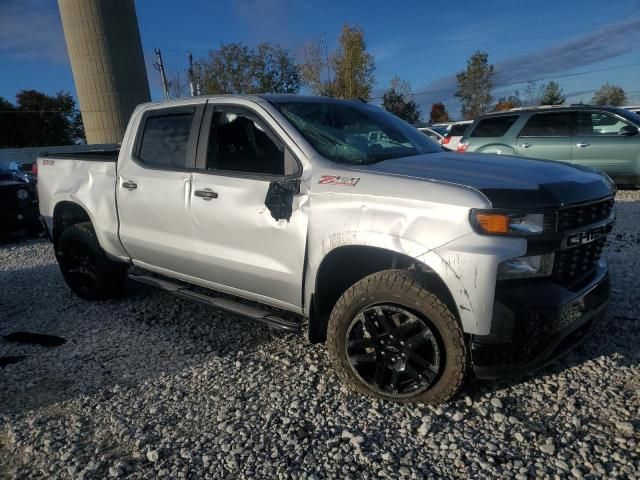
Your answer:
<point x="454" y="131"/>
<point x="633" y="108"/>
<point x="412" y="263"/>
<point x="18" y="203"/>
<point x="25" y="171"/>
<point x="434" y="135"/>
<point x="605" y="138"/>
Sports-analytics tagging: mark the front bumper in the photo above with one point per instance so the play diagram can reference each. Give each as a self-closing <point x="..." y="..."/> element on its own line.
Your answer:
<point x="23" y="218"/>
<point x="537" y="321"/>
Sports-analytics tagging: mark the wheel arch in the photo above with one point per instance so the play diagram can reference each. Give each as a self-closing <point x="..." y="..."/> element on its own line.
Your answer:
<point x="345" y="265"/>
<point x="65" y="214"/>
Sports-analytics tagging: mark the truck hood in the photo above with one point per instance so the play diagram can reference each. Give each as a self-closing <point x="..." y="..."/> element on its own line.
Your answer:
<point x="507" y="181"/>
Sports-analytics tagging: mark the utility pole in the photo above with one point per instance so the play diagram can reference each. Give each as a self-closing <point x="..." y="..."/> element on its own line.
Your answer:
<point x="326" y="54"/>
<point x="160" y="67"/>
<point x="192" y="86"/>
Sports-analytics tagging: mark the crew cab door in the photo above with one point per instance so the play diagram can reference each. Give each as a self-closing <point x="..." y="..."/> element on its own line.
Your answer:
<point x="248" y="206"/>
<point x="154" y="187"/>
<point x="597" y="143"/>
<point x="546" y="136"/>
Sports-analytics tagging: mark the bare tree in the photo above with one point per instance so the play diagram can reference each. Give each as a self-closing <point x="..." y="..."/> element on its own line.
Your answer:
<point x="178" y="85"/>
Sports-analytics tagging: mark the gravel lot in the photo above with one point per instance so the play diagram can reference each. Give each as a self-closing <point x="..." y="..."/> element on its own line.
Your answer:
<point x="151" y="386"/>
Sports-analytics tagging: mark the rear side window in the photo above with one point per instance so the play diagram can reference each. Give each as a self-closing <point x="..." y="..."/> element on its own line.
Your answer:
<point x="547" y="125"/>
<point x="493" y="126"/>
<point x="598" y="123"/>
<point x="458" y="130"/>
<point x="165" y="140"/>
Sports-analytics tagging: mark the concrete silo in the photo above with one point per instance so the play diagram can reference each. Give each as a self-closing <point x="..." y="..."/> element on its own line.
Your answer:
<point x="108" y="66"/>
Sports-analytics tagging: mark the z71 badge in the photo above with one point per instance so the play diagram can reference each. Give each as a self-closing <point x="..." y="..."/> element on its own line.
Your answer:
<point x="338" y="181"/>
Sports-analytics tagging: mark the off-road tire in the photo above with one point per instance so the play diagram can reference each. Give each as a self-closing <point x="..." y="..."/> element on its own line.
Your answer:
<point x="107" y="277"/>
<point x="403" y="288"/>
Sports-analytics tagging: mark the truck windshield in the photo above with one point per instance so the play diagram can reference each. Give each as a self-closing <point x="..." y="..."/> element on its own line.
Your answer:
<point x="347" y="132"/>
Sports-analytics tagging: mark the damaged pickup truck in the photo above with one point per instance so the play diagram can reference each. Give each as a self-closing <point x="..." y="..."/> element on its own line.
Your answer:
<point x="416" y="266"/>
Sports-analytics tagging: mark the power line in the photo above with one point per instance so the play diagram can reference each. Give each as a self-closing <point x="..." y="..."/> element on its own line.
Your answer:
<point x="450" y="90"/>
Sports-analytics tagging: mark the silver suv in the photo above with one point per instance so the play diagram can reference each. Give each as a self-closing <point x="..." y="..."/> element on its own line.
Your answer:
<point x="604" y="138"/>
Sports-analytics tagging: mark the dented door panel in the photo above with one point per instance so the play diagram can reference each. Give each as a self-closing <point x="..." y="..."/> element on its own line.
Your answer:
<point x="239" y="242"/>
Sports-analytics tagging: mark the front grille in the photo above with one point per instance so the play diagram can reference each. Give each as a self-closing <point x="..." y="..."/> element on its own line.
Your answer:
<point x="572" y="264"/>
<point x="571" y="218"/>
<point x="8" y="200"/>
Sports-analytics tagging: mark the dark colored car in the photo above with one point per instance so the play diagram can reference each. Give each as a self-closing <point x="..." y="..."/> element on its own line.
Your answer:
<point x="25" y="171"/>
<point x="18" y="203"/>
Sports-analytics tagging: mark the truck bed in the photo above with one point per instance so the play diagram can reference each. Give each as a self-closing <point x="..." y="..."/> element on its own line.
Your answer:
<point x="87" y="180"/>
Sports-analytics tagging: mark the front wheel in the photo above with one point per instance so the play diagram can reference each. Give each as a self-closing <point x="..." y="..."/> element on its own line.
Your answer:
<point x="390" y="338"/>
<point x="85" y="266"/>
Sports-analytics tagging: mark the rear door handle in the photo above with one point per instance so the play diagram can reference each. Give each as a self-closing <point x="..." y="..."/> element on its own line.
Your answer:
<point x="582" y="145"/>
<point x="129" y="185"/>
<point x="206" y="194"/>
<point x="526" y="145"/>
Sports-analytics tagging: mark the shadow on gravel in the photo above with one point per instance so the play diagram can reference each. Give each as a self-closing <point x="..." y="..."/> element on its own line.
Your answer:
<point x="125" y="342"/>
<point x="16" y="238"/>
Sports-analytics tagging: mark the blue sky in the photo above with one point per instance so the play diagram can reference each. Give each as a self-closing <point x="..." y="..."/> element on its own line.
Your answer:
<point x="425" y="43"/>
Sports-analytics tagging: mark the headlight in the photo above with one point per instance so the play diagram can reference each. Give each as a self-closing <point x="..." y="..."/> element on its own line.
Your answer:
<point x="495" y="222"/>
<point x="22" y="194"/>
<point x="526" y="267"/>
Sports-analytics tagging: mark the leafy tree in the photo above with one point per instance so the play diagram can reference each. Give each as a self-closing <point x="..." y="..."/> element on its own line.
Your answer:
<point x="236" y="68"/>
<point x="39" y="120"/>
<point x="439" y="113"/>
<point x="353" y="65"/>
<point x="474" y="85"/>
<point x="401" y="106"/>
<point x="608" y="94"/>
<point x="345" y="73"/>
<point x="552" y="94"/>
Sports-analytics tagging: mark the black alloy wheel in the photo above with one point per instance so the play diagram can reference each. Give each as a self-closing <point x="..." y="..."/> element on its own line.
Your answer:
<point x="393" y="351"/>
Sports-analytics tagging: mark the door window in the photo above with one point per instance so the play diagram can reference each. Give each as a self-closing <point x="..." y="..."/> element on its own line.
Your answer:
<point x="598" y="123"/>
<point x="240" y="142"/>
<point x="493" y="126"/>
<point x="547" y="125"/>
<point x="165" y="140"/>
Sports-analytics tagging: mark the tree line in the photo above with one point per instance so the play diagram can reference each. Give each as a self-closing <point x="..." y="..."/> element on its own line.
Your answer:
<point x="37" y="119"/>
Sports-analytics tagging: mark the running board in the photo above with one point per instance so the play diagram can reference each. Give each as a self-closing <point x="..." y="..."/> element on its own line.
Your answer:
<point x="225" y="304"/>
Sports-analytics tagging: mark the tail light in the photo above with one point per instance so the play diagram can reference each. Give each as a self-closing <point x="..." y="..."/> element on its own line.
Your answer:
<point x="446" y="140"/>
<point x="34" y="169"/>
<point x="462" y="147"/>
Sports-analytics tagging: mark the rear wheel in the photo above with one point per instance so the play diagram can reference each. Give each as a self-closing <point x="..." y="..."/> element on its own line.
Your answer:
<point x="390" y="338"/>
<point x="85" y="266"/>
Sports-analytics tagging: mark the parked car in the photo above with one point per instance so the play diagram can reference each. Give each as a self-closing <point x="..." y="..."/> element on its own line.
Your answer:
<point x="25" y="171"/>
<point x="432" y="134"/>
<point x="604" y="138"/>
<point x="415" y="265"/>
<point x="18" y="203"/>
<point x="454" y="131"/>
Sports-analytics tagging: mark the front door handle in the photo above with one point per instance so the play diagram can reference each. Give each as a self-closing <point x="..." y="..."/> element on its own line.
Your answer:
<point x="526" y="145"/>
<point x="582" y="145"/>
<point x="129" y="185"/>
<point x="206" y="194"/>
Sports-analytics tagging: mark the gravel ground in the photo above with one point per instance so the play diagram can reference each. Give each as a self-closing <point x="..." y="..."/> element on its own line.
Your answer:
<point x="154" y="387"/>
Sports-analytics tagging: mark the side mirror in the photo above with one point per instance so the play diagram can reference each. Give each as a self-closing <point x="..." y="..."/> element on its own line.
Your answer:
<point x="628" y="131"/>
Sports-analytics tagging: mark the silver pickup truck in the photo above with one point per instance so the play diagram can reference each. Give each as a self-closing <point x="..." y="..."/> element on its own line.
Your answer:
<point x="416" y="266"/>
